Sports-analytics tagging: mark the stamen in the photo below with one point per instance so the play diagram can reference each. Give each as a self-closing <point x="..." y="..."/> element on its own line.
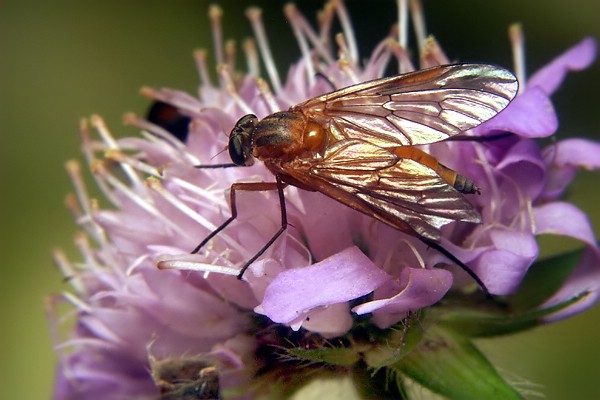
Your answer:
<point x="111" y="143"/>
<point x="85" y="218"/>
<point x="492" y="184"/>
<point x="132" y="119"/>
<point x="227" y="82"/>
<point x="201" y="196"/>
<point x="404" y="63"/>
<point x="77" y="302"/>
<point x="418" y="18"/>
<point x="68" y="271"/>
<point x="517" y="41"/>
<point x="254" y="14"/>
<point x="215" y="14"/>
<point x="325" y="19"/>
<point x="267" y="95"/>
<point x="144" y="203"/>
<point x="380" y="57"/>
<point x="155" y="185"/>
<point x="416" y="253"/>
<point x="119" y="156"/>
<point x="200" y="58"/>
<point x="88" y="151"/>
<point x="319" y="44"/>
<point x="91" y="262"/>
<point x="403" y="23"/>
<point x="348" y="30"/>
<point x="190" y="265"/>
<point x="73" y="205"/>
<point x="182" y="101"/>
<point x="343" y="62"/>
<point x="531" y="224"/>
<point x="136" y="263"/>
<point x="230" y="54"/>
<point x="74" y="171"/>
<point x="252" y="60"/>
<point x="292" y="15"/>
<point x="432" y="54"/>
<point x="343" y="52"/>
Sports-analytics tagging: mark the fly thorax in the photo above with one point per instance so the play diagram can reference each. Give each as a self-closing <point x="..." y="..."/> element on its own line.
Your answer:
<point x="279" y="136"/>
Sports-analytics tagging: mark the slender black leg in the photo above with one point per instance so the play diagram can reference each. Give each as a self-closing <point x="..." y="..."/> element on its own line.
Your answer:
<point x="455" y="259"/>
<point x="255" y="187"/>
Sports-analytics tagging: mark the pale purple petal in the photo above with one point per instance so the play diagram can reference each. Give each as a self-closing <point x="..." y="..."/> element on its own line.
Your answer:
<point x="531" y="114"/>
<point x="330" y="321"/>
<point x="559" y="218"/>
<point x="579" y="153"/>
<point x="503" y="267"/>
<point x="525" y="167"/>
<point x="345" y="276"/>
<point x="416" y="288"/>
<point x="323" y="237"/>
<point x="563" y="160"/>
<point x="585" y="279"/>
<point x="576" y="58"/>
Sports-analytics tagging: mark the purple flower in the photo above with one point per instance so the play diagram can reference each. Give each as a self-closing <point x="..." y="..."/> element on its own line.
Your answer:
<point x="334" y="270"/>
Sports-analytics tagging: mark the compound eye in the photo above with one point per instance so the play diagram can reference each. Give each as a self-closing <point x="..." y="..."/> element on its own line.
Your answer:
<point x="246" y="123"/>
<point x="240" y="140"/>
<point x="236" y="149"/>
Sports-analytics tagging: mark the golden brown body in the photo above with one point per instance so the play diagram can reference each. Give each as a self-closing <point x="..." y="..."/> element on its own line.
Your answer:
<point x="357" y="146"/>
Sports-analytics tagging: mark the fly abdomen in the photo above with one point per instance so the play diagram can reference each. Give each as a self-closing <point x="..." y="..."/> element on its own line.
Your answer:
<point x="457" y="181"/>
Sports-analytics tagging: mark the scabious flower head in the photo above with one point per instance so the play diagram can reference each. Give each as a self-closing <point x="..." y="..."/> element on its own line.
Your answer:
<point x="338" y="292"/>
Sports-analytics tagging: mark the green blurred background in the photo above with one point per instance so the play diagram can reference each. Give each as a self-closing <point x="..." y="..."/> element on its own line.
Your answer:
<point x="65" y="59"/>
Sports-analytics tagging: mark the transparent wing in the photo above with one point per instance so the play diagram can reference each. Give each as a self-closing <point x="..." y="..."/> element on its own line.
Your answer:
<point x="416" y="108"/>
<point x="398" y="191"/>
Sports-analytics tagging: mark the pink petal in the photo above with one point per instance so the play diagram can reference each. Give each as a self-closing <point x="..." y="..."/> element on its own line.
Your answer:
<point x="563" y="160"/>
<point x="416" y="288"/>
<point x="502" y="268"/>
<point x="576" y="58"/>
<point x="585" y="279"/>
<point x="530" y="114"/>
<point x="564" y="219"/>
<point x="332" y="321"/>
<point x="524" y="164"/>
<point x="344" y="276"/>
<point x="579" y="153"/>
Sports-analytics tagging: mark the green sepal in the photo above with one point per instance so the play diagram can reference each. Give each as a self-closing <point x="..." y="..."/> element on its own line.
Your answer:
<point x="450" y="365"/>
<point x="502" y="321"/>
<point x="400" y="340"/>
<point x="334" y="356"/>
<point x="544" y="278"/>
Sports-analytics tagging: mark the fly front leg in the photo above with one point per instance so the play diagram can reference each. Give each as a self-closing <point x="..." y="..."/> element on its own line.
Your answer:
<point x="252" y="187"/>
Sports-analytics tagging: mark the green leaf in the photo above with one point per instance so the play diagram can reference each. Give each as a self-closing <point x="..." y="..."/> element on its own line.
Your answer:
<point x="544" y="278"/>
<point x="450" y="365"/>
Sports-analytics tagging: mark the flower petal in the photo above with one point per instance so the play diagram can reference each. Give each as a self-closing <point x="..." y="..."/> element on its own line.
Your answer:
<point x="524" y="165"/>
<point x="416" y="288"/>
<point x="345" y="276"/>
<point x="579" y="153"/>
<point x="530" y="114"/>
<point x="503" y="267"/>
<point x="560" y="218"/>
<point x="563" y="160"/>
<point x="331" y="321"/>
<point x="576" y="58"/>
<point x="584" y="280"/>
